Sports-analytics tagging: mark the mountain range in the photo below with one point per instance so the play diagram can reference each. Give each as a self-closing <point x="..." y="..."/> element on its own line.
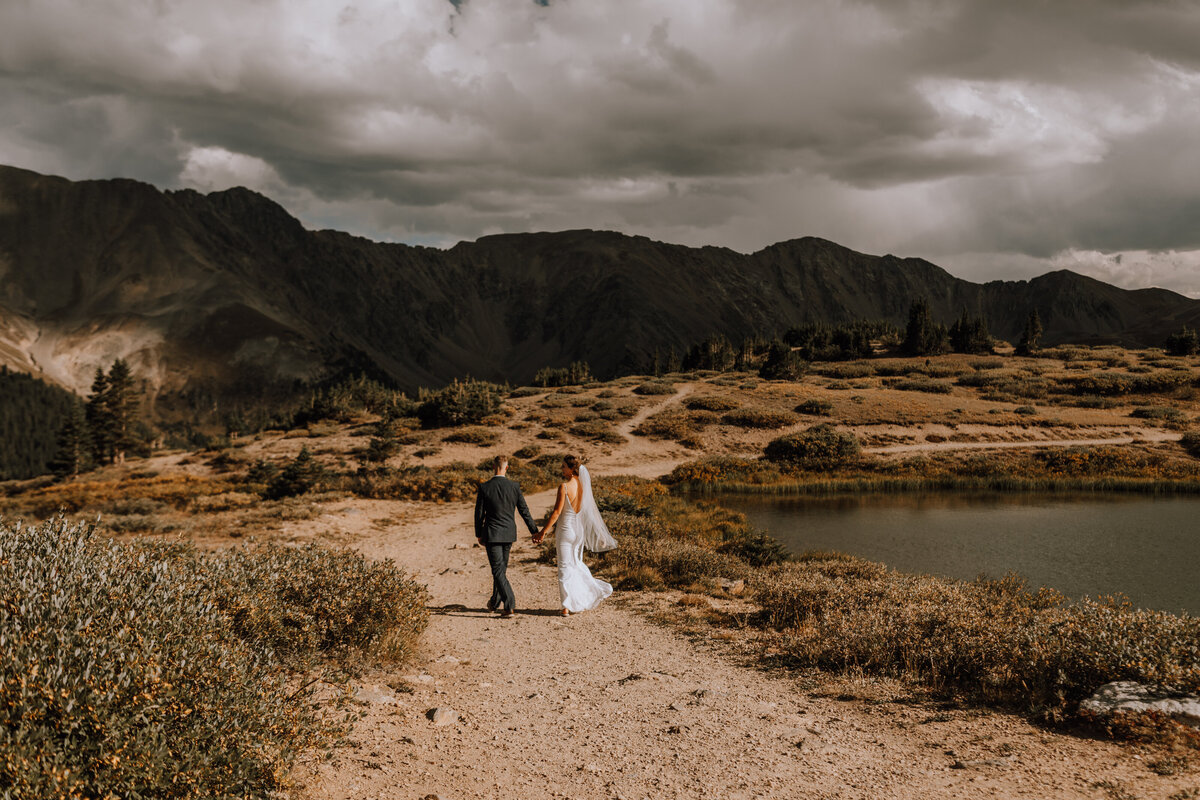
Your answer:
<point x="228" y="289"/>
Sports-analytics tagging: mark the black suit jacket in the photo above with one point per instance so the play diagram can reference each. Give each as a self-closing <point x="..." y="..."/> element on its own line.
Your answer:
<point x="495" y="503"/>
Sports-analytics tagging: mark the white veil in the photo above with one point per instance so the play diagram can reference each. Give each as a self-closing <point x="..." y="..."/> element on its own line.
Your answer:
<point x="595" y="533"/>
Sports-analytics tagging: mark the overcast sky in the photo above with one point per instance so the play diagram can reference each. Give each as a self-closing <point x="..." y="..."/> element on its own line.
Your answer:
<point x="997" y="138"/>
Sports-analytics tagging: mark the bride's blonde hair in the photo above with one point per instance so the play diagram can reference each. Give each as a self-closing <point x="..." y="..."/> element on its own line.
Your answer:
<point x="572" y="464"/>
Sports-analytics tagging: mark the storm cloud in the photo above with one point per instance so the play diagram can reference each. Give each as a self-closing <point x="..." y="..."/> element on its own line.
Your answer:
<point x="997" y="139"/>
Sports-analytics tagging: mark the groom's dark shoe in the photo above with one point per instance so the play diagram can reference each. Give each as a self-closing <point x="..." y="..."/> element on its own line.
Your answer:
<point x="506" y="613"/>
<point x="492" y="604"/>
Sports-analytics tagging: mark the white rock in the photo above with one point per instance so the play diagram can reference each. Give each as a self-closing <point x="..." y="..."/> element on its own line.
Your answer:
<point x="1126" y="696"/>
<point x="375" y="694"/>
<point x="443" y="715"/>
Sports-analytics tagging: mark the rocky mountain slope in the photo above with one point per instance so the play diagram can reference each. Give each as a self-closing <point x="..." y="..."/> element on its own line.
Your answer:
<point x="228" y="289"/>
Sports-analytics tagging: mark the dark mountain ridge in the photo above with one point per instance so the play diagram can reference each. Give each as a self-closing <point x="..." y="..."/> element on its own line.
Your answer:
<point x="228" y="287"/>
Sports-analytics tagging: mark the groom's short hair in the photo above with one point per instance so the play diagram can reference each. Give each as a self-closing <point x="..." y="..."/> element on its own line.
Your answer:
<point x="499" y="461"/>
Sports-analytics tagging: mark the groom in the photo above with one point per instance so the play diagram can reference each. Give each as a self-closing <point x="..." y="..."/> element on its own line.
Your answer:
<point x="496" y="530"/>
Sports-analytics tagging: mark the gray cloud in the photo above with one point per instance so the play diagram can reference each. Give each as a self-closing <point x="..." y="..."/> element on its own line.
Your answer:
<point x="999" y="139"/>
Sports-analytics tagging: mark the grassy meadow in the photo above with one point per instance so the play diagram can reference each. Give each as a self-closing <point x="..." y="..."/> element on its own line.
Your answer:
<point x="157" y="570"/>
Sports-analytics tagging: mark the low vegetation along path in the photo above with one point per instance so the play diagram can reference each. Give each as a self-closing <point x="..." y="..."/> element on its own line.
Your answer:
<point x="1148" y="435"/>
<point x="610" y="704"/>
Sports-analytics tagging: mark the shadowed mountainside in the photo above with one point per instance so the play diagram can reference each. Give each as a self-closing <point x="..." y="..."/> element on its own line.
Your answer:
<point x="228" y="289"/>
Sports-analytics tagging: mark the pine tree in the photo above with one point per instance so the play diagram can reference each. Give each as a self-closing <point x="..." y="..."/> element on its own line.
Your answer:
<point x="1031" y="338"/>
<point x="970" y="334"/>
<point x="782" y="363"/>
<point x="673" y="363"/>
<point x="120" y="407"/>
<point x="72" y="446"/>
<point x="97" y="417"/>
<point x="1185" y="342"/>
<point x="384" y="444"/>
<point x="922" y="337"/>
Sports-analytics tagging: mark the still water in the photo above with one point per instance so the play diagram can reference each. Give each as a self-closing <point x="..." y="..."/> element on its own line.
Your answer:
<point x="1145" y="548"/>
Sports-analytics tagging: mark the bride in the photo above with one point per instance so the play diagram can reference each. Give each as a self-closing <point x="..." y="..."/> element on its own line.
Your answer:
<point x="579" y="526"/>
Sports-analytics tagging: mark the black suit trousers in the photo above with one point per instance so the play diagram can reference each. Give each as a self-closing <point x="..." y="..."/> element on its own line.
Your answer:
<point x="502" y="593"/>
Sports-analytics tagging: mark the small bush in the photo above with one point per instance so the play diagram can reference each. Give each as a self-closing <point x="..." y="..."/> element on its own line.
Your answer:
<point x="654" y="388"/>
<point x="1113" y="384"/>
<point x="815" y="408"/>
<point x="1166" y="413"/>
<point x="753" y="418"/>
<point x="1190" y="442"/>
<point x="461" y="403"/>
<point x="482" y="437"/>
<point x="922" y="385"/>
<point x="1025" y="410"/>
<point x="297" y="477"/>
<point x="598" y="430"/>
<point x="820" y="447"/>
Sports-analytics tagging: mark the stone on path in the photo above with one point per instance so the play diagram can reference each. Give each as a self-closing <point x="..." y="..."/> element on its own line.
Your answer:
<point x="443" y="715"/>
<point x="1128" y="696"/>
<point x="374" y="694"/>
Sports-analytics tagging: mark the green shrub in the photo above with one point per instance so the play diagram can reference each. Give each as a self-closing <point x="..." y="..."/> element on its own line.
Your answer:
<point x="1166" y="413"/>
<point x="314" y="602"/>
<point x="482" y="437"/>
<point x="1025" y="410"/>
<point x="679" y="563"/>
<point x="820" y="447"/>
<point x="815" y="408"/>
<point x="298" y="476"/>
<point x="598" y="430"/>
<point x="127" y="670"/>
<point x="674" y="423"/>
<point x="1190" y="442"/>
<point x="461" y="403"/>
<point x="753" y="418"/>
<point x="654" y="388"/>
<point x="922" y="385"/>
<point x="848" y="371"/>
<point x="1111" y="384"/>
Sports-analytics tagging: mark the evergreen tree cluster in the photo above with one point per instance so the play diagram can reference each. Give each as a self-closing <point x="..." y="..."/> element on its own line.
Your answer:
<point x="715" y="353"/>
<point x="109" y="420"/>
<point x="970" y="335"/>
<point x="922" y="336"/>
<point x="31" y="414"/>
<point x="575" y="373"/>
<point x="1185" y="342"/>
<point x="821" y="342"/>
<point x="783" y="363"/>
<point x="1031" y="337"/>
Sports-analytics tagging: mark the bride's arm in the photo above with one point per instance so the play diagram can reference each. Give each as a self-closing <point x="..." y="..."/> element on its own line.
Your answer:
<point x="558" y="507"/>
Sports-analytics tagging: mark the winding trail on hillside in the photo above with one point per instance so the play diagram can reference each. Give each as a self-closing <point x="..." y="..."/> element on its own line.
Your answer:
<point x="610" y="704"/>
<point x="638" y="456"/>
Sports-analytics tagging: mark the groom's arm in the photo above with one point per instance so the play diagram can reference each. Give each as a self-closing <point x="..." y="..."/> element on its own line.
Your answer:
<point x="523" y="508"/>
<point x="479" y="516"/>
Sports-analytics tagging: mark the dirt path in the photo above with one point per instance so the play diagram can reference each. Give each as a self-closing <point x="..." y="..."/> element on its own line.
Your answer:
<point x="640" y="456"/>
<point x="927" y="447"/>
<point x="609" y="704"/>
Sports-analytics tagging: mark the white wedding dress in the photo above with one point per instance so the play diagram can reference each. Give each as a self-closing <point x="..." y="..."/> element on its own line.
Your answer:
<point x="573" y="532"/>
